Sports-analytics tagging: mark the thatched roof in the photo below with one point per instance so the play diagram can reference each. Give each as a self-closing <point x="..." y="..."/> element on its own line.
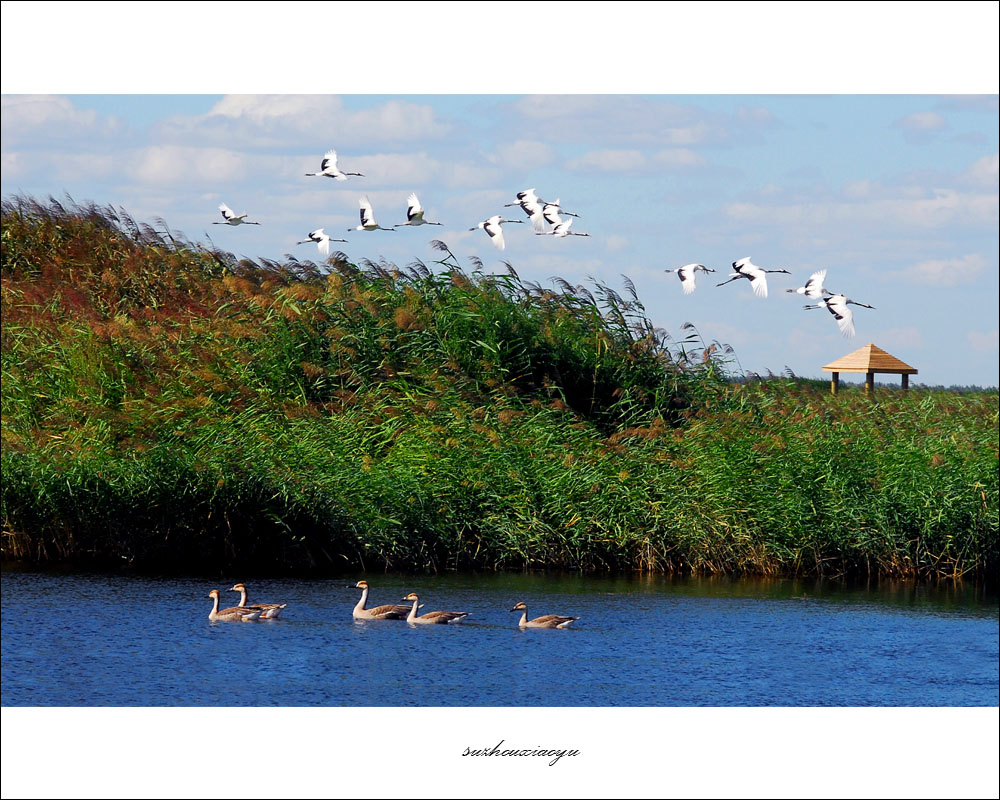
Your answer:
<point x="870" y="359"/>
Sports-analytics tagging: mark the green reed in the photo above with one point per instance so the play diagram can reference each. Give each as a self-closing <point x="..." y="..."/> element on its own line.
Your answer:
<point x="168" y="405"/>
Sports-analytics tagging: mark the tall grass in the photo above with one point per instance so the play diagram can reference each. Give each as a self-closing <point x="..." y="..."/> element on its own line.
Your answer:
<point x="166" y="404"/>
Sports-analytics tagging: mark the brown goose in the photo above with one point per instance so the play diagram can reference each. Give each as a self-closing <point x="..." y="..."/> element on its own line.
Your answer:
<point x="546" y="621"/>
<point x="231" y="614"/>
<point x="432" y="617"/>
<point x="379" y="612"/>
<point x="268" y="610"/>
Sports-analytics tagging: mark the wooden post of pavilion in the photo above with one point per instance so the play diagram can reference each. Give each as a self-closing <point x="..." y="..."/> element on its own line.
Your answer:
<point x="869" y="360"/>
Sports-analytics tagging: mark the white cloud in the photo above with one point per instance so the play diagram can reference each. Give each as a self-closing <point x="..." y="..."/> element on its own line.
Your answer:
<point x="686" y="136"/>
<point x="483" y="199"/>
<point x="57" y="166"/>
<point x="398" y="169"/>
<point x="945" y="272"/>
<point x="24" y="117"/>
<point x="13" y="165"/>
<point x="539" y="106"/>
<point x="678" y="158"/>
<point x="635" y="160"/>
<point x="398" y="119"/>
<point x="984" y="341"/>
<point x="609" y="161"/>
<point x="983" y="172"/>
<point x="464" y="175"/>
<point x="907" y="207"/>
<point x="524" y="154"/>
<point x="264" y="107"/>
<point x="86" y="165"/>
<point x="320" y="199"/>
<point x="156" y="165"/>
<point x="171" y="164"/>
<point x="627" y="120"/>
<point x="616" y="242"/>
<point x="921" y="121"/>
<point x="40" y="110"/>
<point x="272" y="120"/>
<point x="672" y="158"/>
<point x="755" y="116"/>
<point x="858" y="190"/>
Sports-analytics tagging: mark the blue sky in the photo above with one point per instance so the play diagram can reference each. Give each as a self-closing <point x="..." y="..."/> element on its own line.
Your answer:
<point x="894" y="194"/>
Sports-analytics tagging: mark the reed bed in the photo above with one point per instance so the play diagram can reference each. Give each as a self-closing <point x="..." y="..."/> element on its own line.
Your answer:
<point x="169" y="406"/>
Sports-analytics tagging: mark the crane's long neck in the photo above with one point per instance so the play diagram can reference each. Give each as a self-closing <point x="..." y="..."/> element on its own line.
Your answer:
<point x="364" y="599"/>
<point x="413" y="611"/>
<point x="243" y="597"/>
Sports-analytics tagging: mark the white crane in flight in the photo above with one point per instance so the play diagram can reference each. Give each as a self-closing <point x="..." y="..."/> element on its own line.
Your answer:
<point x="322" y="241"/>
<point x="814" y="286"/>
<point x="414" y="213"/>
<point x="532" y="206"/>
<point x="328" y="168"/>
<point x="687" y="275"/>
<point x="561" y="230"/>
<point x="368" y="222"/>
<point x="757" y="276"/>
<point x="232" y="218"/>
<point x="837" y="304"/>
<point x="551" y="212"/>
<point x="492" y="227"/>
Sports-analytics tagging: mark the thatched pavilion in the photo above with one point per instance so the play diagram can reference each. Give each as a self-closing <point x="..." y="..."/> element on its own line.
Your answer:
<point x="869" y="360"/>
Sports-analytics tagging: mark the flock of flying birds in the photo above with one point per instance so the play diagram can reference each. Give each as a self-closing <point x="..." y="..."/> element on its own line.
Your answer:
<point x="837" y="304"/>
<point x="545" y="219"/>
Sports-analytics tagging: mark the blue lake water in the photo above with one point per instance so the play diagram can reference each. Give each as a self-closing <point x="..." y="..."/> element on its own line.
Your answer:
<point x="113" y="640"/>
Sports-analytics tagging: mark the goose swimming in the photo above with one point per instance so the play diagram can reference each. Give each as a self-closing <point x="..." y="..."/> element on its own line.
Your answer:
<point x="432" y="617"/>
<point x="231" y="614"/>
<point x="379" y="612"/>
<point x="268" y="610"/>
<point x="545" y="621"/>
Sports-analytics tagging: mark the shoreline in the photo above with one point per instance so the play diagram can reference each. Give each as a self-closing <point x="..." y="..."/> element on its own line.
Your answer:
<point x="107" y="566"/>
